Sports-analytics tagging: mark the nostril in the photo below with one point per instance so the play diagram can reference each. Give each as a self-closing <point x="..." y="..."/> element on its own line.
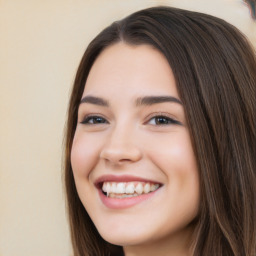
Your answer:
<point x="124" y="160"/>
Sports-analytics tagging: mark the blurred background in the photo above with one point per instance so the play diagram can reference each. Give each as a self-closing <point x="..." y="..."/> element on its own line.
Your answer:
<point x="41" y="43"/>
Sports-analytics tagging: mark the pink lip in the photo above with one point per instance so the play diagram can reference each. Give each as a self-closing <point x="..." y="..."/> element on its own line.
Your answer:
<point x="117" y="203"/>
<point x="123" y="178"/>
<point x="121" y="203"/>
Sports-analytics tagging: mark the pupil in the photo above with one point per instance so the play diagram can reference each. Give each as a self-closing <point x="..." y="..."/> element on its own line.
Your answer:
<point x="161" y="120"/>
<point x="99" y="120"/>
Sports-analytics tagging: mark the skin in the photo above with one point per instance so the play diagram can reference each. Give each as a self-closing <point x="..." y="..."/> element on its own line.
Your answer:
<point x="130" y="139"/>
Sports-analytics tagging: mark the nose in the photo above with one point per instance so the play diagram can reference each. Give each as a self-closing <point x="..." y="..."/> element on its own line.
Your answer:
<point x="121" y="148"/>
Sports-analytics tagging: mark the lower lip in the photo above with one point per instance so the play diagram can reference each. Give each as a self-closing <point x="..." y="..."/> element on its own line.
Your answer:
<point x="121" y="203"/>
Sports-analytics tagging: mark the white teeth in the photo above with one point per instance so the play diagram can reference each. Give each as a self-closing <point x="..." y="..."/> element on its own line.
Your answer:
<point x="113" y="186"/>
<point x="154" y="187"/>
<point x="139" y="188"/>
<point x="111" y="195"/>
<point x="120" y="188"/>
<point x="147" y="188"/>
<point x="127" y="189"/>
<point x="122" y="195"/>
<point x="104" y="187"/>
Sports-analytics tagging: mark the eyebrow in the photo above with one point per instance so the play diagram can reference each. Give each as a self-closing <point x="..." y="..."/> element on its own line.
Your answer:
<point x="95" y="101"/>
<point x="150" y="100"/>
<point x="147" y="100"/>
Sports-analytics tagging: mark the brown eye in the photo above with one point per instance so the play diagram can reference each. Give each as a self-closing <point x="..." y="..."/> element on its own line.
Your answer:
<point x="94" y="120"/>
<point x="162" y="120"/>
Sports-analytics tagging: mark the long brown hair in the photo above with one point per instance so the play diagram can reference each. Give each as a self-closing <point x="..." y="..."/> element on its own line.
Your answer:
<point x="215" y="71"/>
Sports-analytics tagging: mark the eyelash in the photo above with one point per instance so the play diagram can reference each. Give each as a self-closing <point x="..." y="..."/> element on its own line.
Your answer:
<point x="101" y="120"/>
<point x="87" y="120"/>
<point x="166" y="120"/>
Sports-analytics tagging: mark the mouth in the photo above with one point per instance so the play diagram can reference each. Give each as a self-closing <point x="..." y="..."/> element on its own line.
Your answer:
<point x="127" y="189"/>
<point x="120" y="192"/>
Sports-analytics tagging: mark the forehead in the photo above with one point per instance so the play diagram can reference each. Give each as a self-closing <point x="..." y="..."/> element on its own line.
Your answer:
<point x="130" y="69"/>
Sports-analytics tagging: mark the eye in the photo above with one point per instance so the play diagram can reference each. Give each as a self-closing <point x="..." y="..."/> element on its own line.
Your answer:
<point x="162" y="120"/>
<point x="94" y="120"/>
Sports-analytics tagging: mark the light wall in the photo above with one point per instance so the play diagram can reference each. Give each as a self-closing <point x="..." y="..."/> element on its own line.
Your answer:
<point x="41" y="44"/>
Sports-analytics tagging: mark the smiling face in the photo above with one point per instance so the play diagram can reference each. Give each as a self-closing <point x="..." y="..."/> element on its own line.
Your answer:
<point x="132" y="158"/>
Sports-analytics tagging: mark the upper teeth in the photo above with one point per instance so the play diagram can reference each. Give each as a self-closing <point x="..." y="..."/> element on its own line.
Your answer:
<point x="129" y="187"/>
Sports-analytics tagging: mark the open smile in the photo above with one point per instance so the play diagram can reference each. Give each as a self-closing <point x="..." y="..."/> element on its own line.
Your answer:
<point x="121" y="192"/>
<point x="128" y="189"/>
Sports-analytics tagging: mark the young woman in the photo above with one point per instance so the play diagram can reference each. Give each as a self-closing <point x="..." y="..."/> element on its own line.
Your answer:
<point x="160" y="142"/>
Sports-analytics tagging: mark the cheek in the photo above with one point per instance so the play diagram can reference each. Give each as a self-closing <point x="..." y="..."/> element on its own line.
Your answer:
<point x="175" y="157"/>
<point x="84" y="154"/>
<point x="173" y="153"/>
<point x="84" y="157"/>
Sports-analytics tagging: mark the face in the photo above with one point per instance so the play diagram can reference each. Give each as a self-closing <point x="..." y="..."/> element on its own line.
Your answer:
<point x="132" y="158"/>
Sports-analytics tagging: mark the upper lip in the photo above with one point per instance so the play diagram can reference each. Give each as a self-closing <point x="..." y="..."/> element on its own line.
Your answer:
<point x="121" y="178"/>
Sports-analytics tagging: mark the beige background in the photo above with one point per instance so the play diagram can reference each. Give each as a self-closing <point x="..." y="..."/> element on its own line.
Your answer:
<point x="41" y="43"/>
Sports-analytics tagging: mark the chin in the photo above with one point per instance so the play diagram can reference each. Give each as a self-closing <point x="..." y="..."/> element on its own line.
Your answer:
<point x="125" y="238"/>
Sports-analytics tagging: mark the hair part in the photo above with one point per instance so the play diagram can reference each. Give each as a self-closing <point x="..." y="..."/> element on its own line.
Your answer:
<point x="215" y="72"/>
